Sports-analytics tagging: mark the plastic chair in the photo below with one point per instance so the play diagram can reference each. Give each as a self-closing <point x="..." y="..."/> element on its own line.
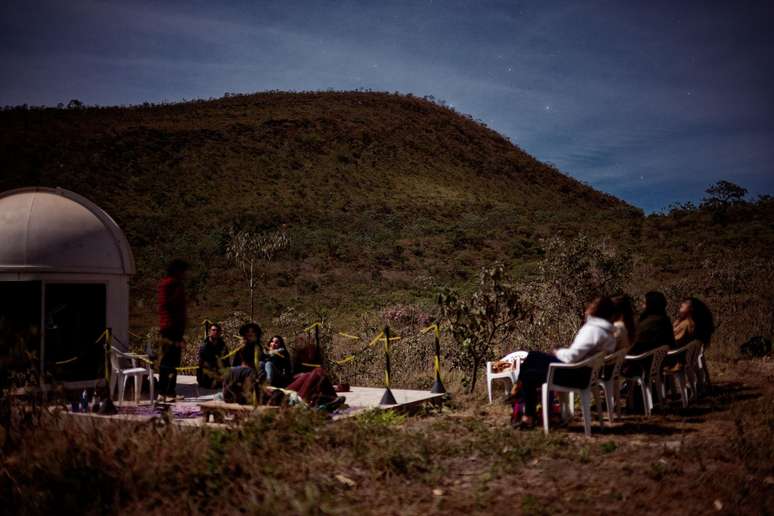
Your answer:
<point x="702" y="372"/>
<point x="680" y="377"/>
<point x="686" y="379"/>
<point x="649" y="376"/>
<point x="596" y="363"/>
<point x="610" y="382"/>
<point x="512" y="374"/>
<point x="119" y="374"/>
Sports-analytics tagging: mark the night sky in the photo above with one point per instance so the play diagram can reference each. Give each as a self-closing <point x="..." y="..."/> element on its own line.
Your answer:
<point x="650" y="101"/>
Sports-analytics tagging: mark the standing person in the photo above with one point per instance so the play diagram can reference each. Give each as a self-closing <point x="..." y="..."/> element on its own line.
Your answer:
<point x="277" y="363"/>
<point x="250" y="354"/>
<point x="172" y="321"/>
<point x="595" y="336"/>
<point x="212" y="363"/>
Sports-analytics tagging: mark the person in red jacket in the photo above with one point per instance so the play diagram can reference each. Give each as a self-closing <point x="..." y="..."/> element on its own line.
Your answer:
<point x="172" y="320"/>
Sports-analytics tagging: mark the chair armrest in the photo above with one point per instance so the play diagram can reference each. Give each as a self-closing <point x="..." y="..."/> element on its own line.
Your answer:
<point x="678" y="350"/>
<point x="645" y="355"/>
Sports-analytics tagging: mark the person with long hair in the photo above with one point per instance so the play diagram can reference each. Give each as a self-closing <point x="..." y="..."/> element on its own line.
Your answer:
<point x="250" y="353"/>
<point x="694" y="322"/>
<point x="623" y="321"/>
<point x="655" y="327"/>
<point x="276" y="363"/>
<point x="596" y="335"/>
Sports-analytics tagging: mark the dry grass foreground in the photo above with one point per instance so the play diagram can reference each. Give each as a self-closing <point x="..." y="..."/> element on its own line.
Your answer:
<point x="715" y="457"/>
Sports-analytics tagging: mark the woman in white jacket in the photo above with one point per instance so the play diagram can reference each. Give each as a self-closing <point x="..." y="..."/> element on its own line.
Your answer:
<point x="596" y="335"/>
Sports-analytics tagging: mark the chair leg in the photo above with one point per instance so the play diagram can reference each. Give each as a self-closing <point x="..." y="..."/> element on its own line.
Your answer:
<point x="601" y="414"/>
<point x="122" y="389"/>
<point x="610" y="389"/>
<point x="572" y="403"/>
<point x="645" y="392"/>
<point x="545" y="407"/>
<point x="682" y="387"/>
<point x="137" y="387"/>
<point x="489" y="389"/>
<point x="586" y="409"/>
<point x="113" y="384"/>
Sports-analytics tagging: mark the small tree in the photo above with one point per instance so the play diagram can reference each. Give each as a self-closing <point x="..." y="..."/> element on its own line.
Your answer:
<point x="724" y="193"/>
<point x="246" y="249"/>
<point x="482" y="321"/>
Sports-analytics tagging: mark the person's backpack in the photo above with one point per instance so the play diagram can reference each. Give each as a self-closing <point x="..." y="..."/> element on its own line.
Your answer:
<point x="757" y="346"/>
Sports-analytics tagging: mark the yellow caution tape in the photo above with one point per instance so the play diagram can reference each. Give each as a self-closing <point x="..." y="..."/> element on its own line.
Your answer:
<point x="437" y="364"/>
<point x="315" y="325"/>
<point x="433" y="327"/>
<point x="62" y="362"/>
<point x="310" y="365"/>
<point x="101" y="336"/>
<point x="376" y="339"/>
<point x="344" y="360"/>
<point x="234" y="352"/>
<point x="187" y="368"/>
<point x="347" y="335"/>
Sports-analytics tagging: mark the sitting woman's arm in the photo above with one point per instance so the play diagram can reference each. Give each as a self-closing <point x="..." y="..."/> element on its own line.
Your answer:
<point x="584" y="343"/>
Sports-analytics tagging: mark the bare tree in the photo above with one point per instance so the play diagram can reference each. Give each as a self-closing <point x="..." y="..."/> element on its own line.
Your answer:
<point x="246" y="249"/>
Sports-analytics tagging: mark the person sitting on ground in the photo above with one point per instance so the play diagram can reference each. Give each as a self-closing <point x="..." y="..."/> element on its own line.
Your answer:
<point x="595" y="336"/>
<point x="276" y="363"/>
<point x="209" y="374"/>
<point x="623" y="321"/>
<point x="250" y="353"/>
<point x="243" y="385"/>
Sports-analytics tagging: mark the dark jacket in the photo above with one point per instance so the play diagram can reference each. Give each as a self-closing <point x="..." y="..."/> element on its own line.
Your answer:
<point x="281" y="361"/>
<point x="653" y="331"/>
<point x="248" y="355"/>
<point x="211" y="363"/>
<point x="172" y="313"/>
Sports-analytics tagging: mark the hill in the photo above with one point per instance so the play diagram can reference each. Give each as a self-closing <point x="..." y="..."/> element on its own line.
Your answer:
<point x="383" y="196"/>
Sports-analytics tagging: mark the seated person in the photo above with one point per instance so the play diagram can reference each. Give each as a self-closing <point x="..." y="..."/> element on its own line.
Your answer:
<point x="209" y="375"/>
<point x="241" y="385"/>
<point x="654" y="330"/>
<point x="655" y="327"/>
<point x="276" y="363"/>
<point x="595" y="336"/>
<point x="250" y="354"/>
<point x="694" y="322"/>
<point x="623" y="321"/>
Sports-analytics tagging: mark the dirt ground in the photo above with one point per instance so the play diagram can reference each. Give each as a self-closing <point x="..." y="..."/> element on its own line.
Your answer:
<point x="713" y="458"/>
<point x="716" y="457"/>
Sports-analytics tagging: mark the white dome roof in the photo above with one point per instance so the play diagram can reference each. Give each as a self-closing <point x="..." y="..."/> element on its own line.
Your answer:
<point x="55" y="230"/>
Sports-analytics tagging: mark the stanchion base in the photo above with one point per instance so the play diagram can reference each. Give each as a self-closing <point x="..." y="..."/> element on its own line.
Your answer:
<point x="438" y="387"/>
<point x="388" y="398"/>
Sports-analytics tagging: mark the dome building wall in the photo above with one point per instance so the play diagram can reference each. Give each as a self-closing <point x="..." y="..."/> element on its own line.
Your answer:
<point x="70" y="251"/>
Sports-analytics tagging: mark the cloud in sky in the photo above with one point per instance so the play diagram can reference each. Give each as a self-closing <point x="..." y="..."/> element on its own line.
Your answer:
<point x="649" y="101"/>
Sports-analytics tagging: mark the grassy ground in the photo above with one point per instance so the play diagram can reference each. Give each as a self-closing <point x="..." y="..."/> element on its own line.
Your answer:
<point x="715" y="457"/>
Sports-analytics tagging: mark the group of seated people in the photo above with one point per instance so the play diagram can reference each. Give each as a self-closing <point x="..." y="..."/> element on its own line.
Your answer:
<point x="258" y="374"/>
<point x="610" y="326"/>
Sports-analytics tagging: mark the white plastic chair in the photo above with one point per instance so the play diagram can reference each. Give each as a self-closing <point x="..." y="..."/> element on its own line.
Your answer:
<point x="611" y="384"/>
<point x="684" y="380"/>
<point x="596" y="363"/>
<point x="119" y="374"/>
<point x="702" y="372"/>
<point x="512" y="374"/>
<point x="649" y="376"/>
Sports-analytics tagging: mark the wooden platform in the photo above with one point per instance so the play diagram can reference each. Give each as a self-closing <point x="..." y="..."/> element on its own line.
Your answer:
<point x="199" y="404"/>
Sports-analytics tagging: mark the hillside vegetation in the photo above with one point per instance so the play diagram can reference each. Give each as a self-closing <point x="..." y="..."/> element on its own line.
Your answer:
<point x="384" y="197"/>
